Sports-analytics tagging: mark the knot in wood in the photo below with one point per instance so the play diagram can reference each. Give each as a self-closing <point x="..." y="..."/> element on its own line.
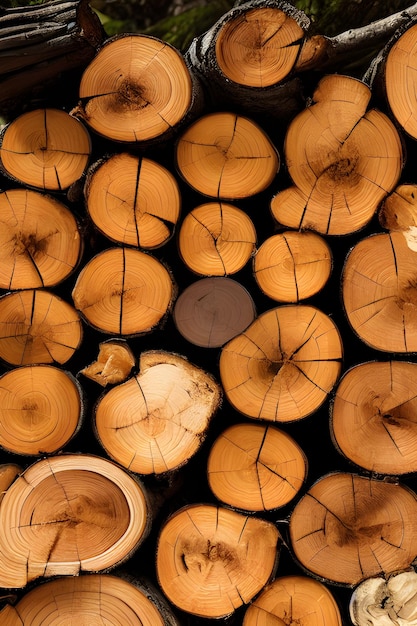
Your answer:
<point x="129" y="97"/>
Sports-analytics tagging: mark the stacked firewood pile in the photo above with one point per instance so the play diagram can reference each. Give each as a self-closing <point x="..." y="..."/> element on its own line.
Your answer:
<point x="208" y="328"/>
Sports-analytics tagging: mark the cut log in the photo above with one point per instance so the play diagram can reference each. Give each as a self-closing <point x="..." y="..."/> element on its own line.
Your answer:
<point x="38" y="327"/>
<point x="123" y="291"/>
<point x="226" y="156"/>
<point x="216" y="239"/>
<point x="247" y="58"/>
<point x="41" y="409"/>
<point x="133" y="200"/>
<point x="137" y="89"/>
<point x="292" y="266"/>
<point x="211" y="560"/>
<point x="294" y="600"/>
<point x="84" y="599"/>
<point x="342" y="158"/>
<point x="158" y="419"/>
<point x="45" y="148"/>
<point x="210" y="311"/>
<point x="399" y="212"/>
<point x="40" y="240"/>
<point x="113" y="365"/>
<point x="347" y="528"/>
<point x="374" y="416"/>
<point x="43" y="43"/>
<point x="8" y="473"/>
<point x="69" y="514"/>
<point x="379" y="292"/>
<point x="284" y="365"/>
<point x="255" y="468"/>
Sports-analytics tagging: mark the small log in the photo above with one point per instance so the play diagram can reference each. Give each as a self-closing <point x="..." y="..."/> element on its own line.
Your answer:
<point x="123" y="291"/>
<point x="216" y="239"/>
<point x="40" y="240"/>
<point x="292" y="266"/>
<point x="347" y="528"/>
<point x="377" y="402"/>
<point x="113" y="365"/>
<point x="84" y="599"/>
<point x="46" y="148"/>
<point x="210" y="311"/>
<point x="226" y="156"/>
<point x="158" y="419"/>
<point x="379" y="292"/>
<point x="255" y="468"/>
<point x="211" y="560"/>
<point x="284" y="365"/>
<point x="38" y="327"/>
<point x="133" y="200"/>
<point x="8" y="473"/>
<point x="342" y="158"/>
<point x="41" y="409"/>
<point x="294" y="600"/>
<point x="137" y="89"/>
<point x="69" y="514"/>
<point x="398" y="212"/>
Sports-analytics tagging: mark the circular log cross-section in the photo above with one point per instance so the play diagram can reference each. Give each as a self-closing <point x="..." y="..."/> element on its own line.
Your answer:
<point x="347" y="528"/>
<point x="211" y="311"/>
<point x="133" y="200"/>
<point x="259" y="47"/>
<point x="216" y="239"/>
<point x="157" y="420"/>
<point x="292" y="266"/>
<point x="255" y="468"/>
<point x="91" y="599"/>
<point x="123" y="291"/>
<point x="136" y="89"/>
<point x="45" y="148"/>
<point x="37" y="326"/>
<point x="40" y="409"/>
<point x="228" y="156"/>
<point x="342" y="159"/>
<point x="40" y="242"/>
<point x="379" y="292"/>
<point x="400" y="81"/>
<point x="377" y="402"/>
<point x="68" y="514"/>
<point x="211" y="560"/>
<point x="284" y="365"/>
<point x="294" y="600"/>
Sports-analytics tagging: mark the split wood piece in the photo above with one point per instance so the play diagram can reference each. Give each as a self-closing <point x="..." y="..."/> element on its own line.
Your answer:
<point x="136" y="89"/>
<point x="347" y="528"/>
<point x="390" y="601"/>
<point x="133" y="200"/>
<point x="86" y="600"/>
<point x="113" y="365"/>
<point x="284" y="365"/>
<point x="374" y="416"/>
<point x="40" y="241"/>
<point x="40" y="43"/>
<point x="212" y="560"/>
<point x="342" y="159"/>
<point x="158" y="419"/>
<point x="69" y="514"/>
<point x="8" y="473"/>
<point x="256" y="468"/>
<point x="123" y="291"/>
<point x="216" y="239"/>
<point x="38" y="326"/>
<point x="41" y="409"/>
<point x="294" y="600"/>
<point x="247" y="58"/>
<point x="399" y="212"/>
<point x="45" y="148"/>
<point x="226" y="155"/>
<point x="400" y="81"/>
<point x="211" y="311"/>
<point x="292" y="266"/>
<point x="379" y="292"/>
